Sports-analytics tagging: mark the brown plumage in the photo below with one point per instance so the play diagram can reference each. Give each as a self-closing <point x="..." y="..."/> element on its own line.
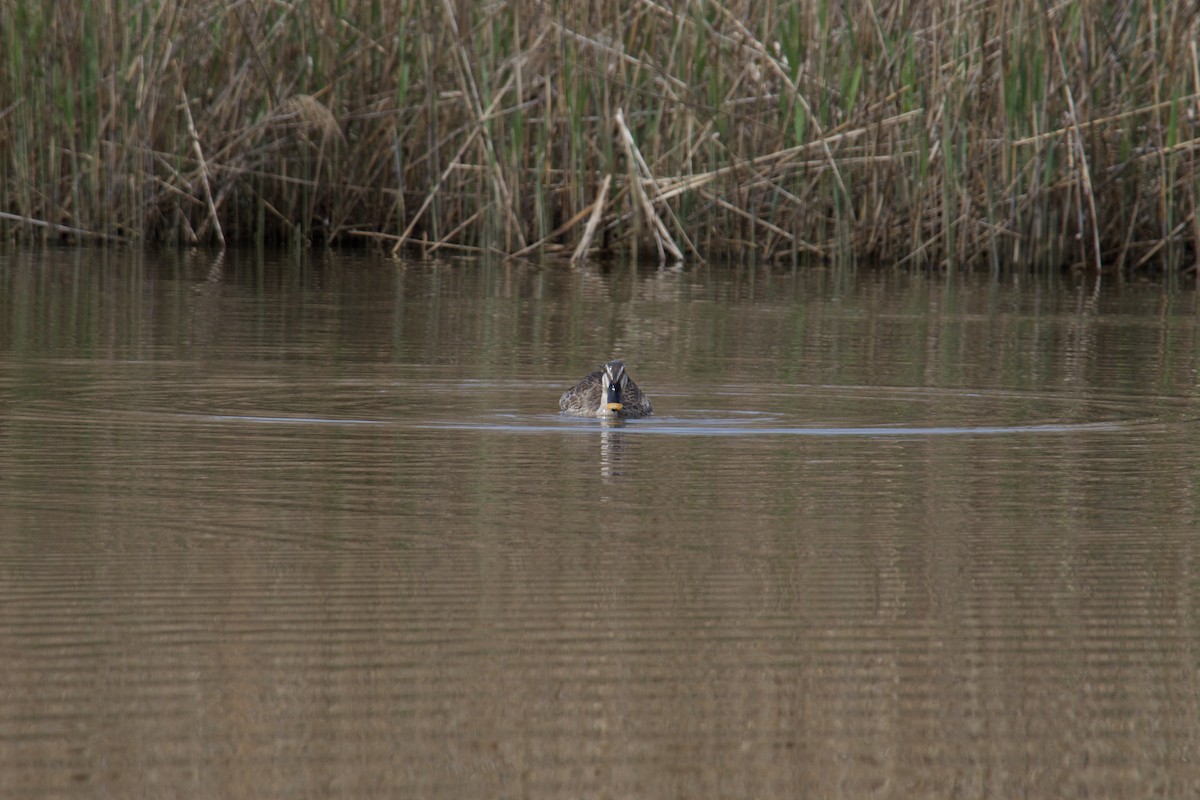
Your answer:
<point x="607" y="392"/>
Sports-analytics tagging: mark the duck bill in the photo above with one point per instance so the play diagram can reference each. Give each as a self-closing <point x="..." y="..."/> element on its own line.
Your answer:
<point x="612" y="398"/>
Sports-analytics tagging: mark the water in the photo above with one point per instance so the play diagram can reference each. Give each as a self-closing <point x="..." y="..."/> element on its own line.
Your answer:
<point x="316" y="529"/>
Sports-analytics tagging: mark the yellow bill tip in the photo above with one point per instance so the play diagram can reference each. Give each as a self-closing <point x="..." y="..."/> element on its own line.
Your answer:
<point x="614" y="406"/>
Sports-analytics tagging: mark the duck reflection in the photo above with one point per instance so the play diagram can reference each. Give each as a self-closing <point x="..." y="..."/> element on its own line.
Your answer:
<point x="612" y="442"/>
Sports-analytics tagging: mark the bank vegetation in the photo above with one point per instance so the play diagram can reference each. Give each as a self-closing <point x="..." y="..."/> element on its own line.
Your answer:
<point x="996" y="134"/>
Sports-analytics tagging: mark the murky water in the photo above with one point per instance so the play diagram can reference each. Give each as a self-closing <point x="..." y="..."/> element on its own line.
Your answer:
<point x="316" y="529"/>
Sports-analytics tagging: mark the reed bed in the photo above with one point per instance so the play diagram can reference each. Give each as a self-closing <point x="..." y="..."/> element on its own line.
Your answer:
<point x="1009" y="133"/>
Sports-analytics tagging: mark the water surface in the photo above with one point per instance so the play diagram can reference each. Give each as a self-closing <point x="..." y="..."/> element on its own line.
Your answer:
<point x="315" y="528"/>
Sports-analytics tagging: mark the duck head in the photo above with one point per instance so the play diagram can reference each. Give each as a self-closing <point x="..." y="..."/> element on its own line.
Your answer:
<point x="613" y="380"/>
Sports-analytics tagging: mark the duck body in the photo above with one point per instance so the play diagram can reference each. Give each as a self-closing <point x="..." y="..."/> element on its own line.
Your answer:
<point x="607" y="392"/>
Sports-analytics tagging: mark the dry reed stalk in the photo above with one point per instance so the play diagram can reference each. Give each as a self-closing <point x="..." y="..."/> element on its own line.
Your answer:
<point x="66" y="229"/>
<point x="1100" y="122"/>
<point x="752" y="219"/>
<point x="447" y="240"/>
<point x="589" y="231"/>
<point x="474" y="106"/>
<point x="195" y="140"/>
<point x="403" y="238"/>
<point x="594" y="209"/>
<point x="1192" y="171"/>
<point x="639" y="175"/>
<point x="797" y="96"/>
<point x="1085" y="172"/>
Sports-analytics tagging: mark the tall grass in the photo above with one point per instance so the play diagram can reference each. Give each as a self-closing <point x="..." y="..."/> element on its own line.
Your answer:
<point x="1003" y="133"/>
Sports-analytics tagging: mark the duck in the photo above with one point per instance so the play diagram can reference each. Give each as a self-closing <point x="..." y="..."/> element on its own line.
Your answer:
<point x="607" y="392"/>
